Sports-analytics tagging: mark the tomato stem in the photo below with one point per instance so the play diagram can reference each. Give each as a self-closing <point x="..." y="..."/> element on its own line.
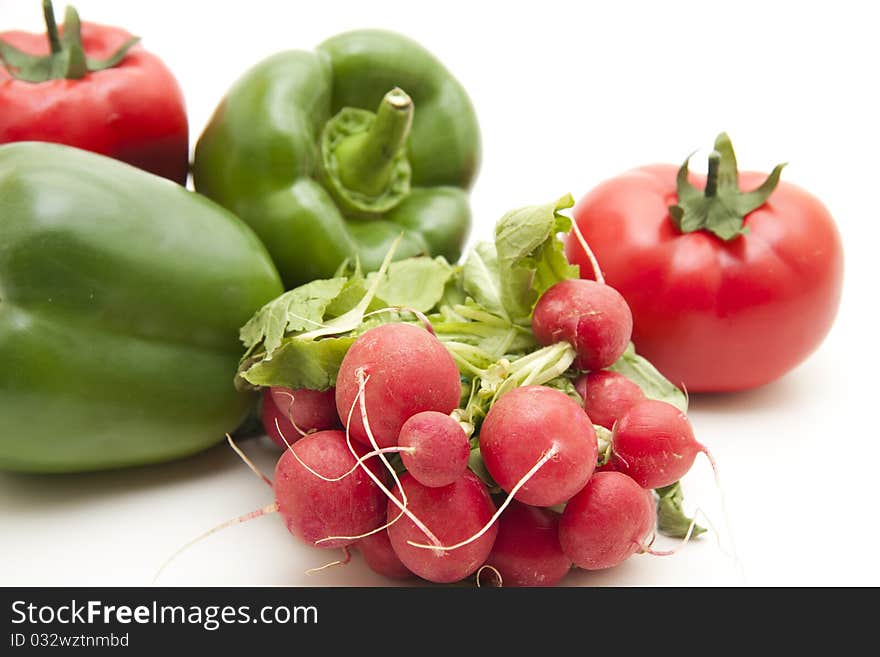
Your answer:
<point x="51" y="27"/>
<point x="712" y="174"/>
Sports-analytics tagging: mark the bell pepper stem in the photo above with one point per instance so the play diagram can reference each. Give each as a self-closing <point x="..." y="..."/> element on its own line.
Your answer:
<point x="366" y="160"/>
<point x="51" y="27"/>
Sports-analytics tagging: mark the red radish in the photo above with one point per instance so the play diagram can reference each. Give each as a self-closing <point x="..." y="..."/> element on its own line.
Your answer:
<point x="452" y="513"/>
<point x="609" y="520"/>
<point x="522" y="427"/>
<point x="607" y="396"/>
<point x="407" y="371"/>
<point x="380" y="556"/>
<point x="313" y="508"/>
<point x="278" y="427"/>
<point x="527" y="550"/>
<point x="593" y="317"/>
<point x="435" y="448"/>
<point x="298" y="412"/>
<point x="654" y="444"/>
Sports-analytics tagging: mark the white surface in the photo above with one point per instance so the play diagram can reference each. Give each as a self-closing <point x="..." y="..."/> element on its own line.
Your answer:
<point x="568" y="94"/>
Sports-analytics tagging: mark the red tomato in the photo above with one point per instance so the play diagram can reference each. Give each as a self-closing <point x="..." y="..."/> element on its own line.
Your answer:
<point x="714" y="314"/>
<point x="133" y="111"/>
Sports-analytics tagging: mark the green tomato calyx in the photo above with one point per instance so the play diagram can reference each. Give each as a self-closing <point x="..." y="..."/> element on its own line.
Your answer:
<point x="721" y="207"/>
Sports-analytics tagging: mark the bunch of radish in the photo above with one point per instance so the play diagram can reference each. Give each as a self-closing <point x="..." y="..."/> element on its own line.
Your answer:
<point x="484" y="421"/>
<point x="383" y="462"/>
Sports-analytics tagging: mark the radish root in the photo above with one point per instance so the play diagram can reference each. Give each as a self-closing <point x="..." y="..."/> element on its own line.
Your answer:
<point x="725" y="512"/>
<point x="289" y="414"/>
<point x="247" y="461"/>
<point x="647" y="549"/>
<point x="498" y="578"/>
<point x="597" y="271"/>
<point x="346" y="557"/>
<point x="266" y="510"/>
<point x="368" y="455"/>
<point x="423" y="318"/>
<point x="546" y="456"/>
<point x="360" y="400"/>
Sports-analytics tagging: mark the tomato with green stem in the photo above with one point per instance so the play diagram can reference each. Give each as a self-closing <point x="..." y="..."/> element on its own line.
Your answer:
<point x="729" y="289"/>
<point x="96" y="88"/>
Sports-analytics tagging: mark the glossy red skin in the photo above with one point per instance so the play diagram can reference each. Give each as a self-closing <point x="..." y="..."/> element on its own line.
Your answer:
<point x="381" y="558"/>
<point x="133" y="112"/>
<point x="654" y="444"/>
<point x="714" y="315"/>
<point x="442" y="449"/>
<point x="527" y="551"/>
<point x="310" y="410"/>
<point x="521" y="427"/>
<point x="607" y="522"/>
<point x="410" y="371"/>
<point x="312" y="508"/>
<point x="453" y="513"/>
<point x="607" y="396"/>
<point x="592" y="317"/>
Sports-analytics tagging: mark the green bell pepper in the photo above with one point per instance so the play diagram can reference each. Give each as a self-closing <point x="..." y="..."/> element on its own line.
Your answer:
<point x="121" y="297"/>
<point x="299" y="150"/>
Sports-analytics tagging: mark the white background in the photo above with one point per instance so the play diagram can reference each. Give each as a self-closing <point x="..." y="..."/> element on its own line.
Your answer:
<point x="567" y="94"/>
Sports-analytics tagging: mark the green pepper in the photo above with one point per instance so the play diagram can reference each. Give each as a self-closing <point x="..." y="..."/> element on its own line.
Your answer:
<point x="121" y="296"/>
<point x="331" y="155"/>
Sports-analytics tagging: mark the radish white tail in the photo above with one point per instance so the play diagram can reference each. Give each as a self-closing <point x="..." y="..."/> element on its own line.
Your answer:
<point x="499" y="581"/>
<point x="597" y="271"/>
<point x="346" y="557"/>
<point x="266" y="510"/>
<point x="360" y="400"/>
<point x="546" y="456"/>
<point x="247" y="461"/>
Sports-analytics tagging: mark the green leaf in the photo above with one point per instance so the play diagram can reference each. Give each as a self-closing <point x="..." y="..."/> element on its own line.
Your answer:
<point x="353" y="318"/>
<point x="671" y="518"/>
<point x="649" y="379"/>
<point x="748" y="201"/>
<point x="519" y="232"/>
<point x="76" y="67"/>
<point x="114" y="59"/>
<point x="478" y="467"/>
<point x="728" y="171"/>
<point x="481" y="278"/>
<point x="351" y="294"/>
<point x="519" y="237"/>
<point x="310" y="357"/>
<point x="417" y="283"/>
<point x="298" y="363"/>
<point x="72" y="29"/>
<point x="566" y="385"/>
<point x="299" y="309"/>
<point x="24" y="66"/>
<point x="603" y="438"/>
<point x="550" y="264"/>
<point x="12" y="57"/>
<point x="517" y="294"/>
<point x="453" y="293"/>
